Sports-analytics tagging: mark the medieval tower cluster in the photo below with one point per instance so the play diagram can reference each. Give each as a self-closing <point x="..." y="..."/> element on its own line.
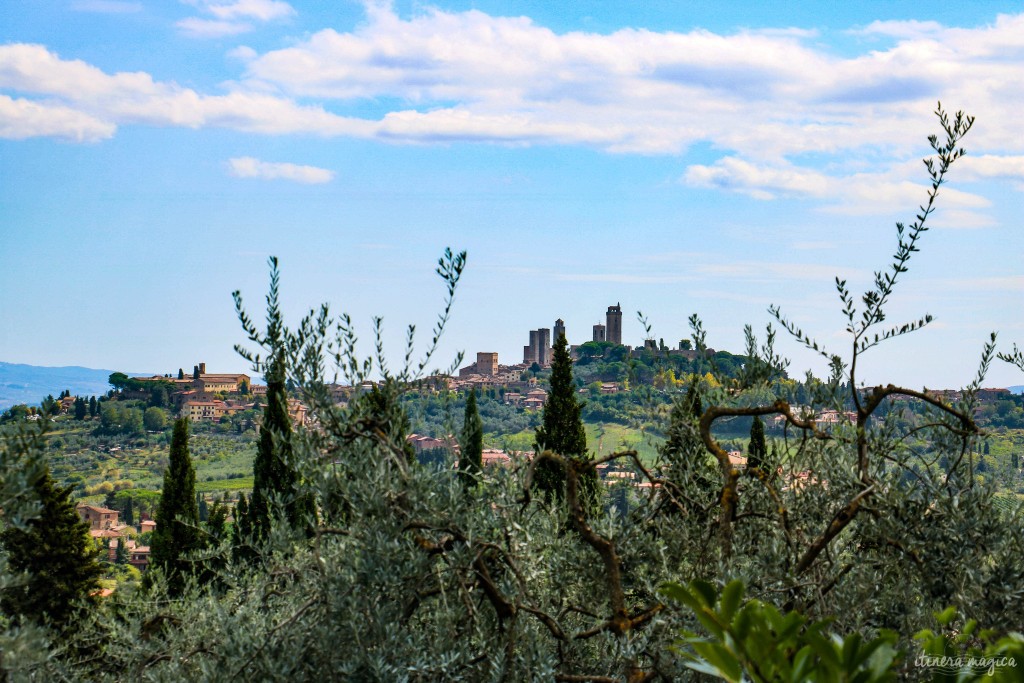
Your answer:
<point x="540" y="347"/>
<point x="611" y="330"/>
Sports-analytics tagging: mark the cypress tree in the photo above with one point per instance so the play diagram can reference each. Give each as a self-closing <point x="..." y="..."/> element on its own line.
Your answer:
<point x="129" y="512"/>
<point x="380" y="405"/>
<point x="472" y="441"/>
<point x="275" y="479"/>
<point x="757" y="450"/>
<point x="177" y="532"/>
<point x="241" y="531"/>
<point x="273" y="474"/>
<point x="561" y="429"/>
<point x="93" y="410"/>
<point x="81" y="408"/>
<point x="687" y="460"/>
<point x="217" y="520"/>
<point x="692" y="402"/>
<point x="58" y="556"/>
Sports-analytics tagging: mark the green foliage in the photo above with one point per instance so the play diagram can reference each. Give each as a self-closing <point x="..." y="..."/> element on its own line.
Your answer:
<point x="561" y="430"/>
<point x="177" y="532"/>
<point x="961" y="651"/>
<point x="216" y="521"/>
<point x="118" y="418"/>
<point x="275" y="478"/>
<point x="757" y="450"/>
<point x="471" y="441"/>
<point x="750" y="640"/>
<point x="241" y="531"/>
<point x="54" y="553"/>
<point x="154" y="419"/>
<point x="408" y="574"/>
<point x="81" y="408"/>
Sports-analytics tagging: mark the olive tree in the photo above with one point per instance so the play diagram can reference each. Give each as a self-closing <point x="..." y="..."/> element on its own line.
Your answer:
<point x="407" y="574"/>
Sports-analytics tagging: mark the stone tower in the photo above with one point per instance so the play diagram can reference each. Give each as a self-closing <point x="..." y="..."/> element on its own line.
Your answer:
<point x="559" y="330"/>
<point x="613" y="324"/>
<point x="544" y="346"/>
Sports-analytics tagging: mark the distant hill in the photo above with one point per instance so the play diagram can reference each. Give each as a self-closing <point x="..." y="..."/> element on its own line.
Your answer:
<point x="1018" y="389"/>
<point x="31" y="384"/>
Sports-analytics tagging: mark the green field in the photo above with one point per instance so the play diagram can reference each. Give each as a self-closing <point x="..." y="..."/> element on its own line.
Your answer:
<point x="602" y="439"/>
<point x="218" y="485"/>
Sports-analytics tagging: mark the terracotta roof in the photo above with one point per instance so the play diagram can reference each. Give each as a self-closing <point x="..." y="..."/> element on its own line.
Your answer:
<point x="103" y="534"/>
<point x="95" y="508"/>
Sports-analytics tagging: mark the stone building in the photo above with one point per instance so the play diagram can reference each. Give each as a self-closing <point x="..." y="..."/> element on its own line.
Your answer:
<point x="613" y="322"/>
<point x="539" y="350"/>
<point x="558" y="331"/>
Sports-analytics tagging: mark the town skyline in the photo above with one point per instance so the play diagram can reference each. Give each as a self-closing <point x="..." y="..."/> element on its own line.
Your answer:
<point x="701" y="159"/>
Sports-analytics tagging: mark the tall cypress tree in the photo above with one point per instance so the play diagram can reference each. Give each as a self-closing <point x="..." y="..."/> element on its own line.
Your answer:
<point x="240" y="530"/>
<point x="58" y="556"/>
<point x="177" y="522"/>
<point x="273" y="474"/>
<point x="129" y="511"/>
<point x="472" y="442"/>
<point x="757" y="451"/>
<point x="561" y="429"/>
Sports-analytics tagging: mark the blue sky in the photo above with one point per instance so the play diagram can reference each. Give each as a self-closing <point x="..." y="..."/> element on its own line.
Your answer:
<point x="675" y="157"/>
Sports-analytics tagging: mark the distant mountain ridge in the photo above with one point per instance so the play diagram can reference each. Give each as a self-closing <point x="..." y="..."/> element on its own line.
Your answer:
<point x="1017" y="389"/>
<point x="30" y="384"/>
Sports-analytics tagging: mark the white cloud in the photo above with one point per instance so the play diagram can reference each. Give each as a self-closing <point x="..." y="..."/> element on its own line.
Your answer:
<point x="762" y="99"/>
<point x="21" y="119"/>
<point x="901" y="29"/>
<point x="231" y="18"/>
<point x="262" y="10"/>
<point x="249" y="167"/>
<point x="852" y="194"/>
<point x="211" y="28"/>
<point x="758" y="94"/>
<point x="760" y="182"/>
<point x="991" y="166"/>
<point x="135" y="98"/>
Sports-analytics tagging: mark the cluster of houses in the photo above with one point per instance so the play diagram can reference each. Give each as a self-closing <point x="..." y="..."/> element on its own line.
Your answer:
<point x="824" y="418"/>
<point x="211" y="396"/>
<point x="104" y="524"/>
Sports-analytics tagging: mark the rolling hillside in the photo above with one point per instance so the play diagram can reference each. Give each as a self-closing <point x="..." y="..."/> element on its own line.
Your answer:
<point x="30" y="384"/>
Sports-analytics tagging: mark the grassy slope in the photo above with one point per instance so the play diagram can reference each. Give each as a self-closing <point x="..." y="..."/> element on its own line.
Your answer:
<point x="602" y="439"/>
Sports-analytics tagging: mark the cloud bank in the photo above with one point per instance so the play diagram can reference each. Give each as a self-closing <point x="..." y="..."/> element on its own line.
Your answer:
<point x="764" y="100"/>
<point x="230" y="18"/>
<point x="249" y="167"/>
